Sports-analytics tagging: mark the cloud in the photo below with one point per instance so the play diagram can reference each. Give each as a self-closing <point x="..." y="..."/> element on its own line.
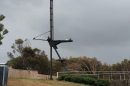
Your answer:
<point x="99" y="28"/>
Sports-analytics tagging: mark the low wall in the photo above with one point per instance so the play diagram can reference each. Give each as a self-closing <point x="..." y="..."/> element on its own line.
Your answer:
<point x="17" y="73"/>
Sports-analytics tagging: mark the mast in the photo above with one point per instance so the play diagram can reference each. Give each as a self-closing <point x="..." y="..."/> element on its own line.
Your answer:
<point x="51" y="35"/>
<point x="53" y="43"/>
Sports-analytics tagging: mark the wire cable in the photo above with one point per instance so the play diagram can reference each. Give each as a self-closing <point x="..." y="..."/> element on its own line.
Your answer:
<point x="41" y="34"/>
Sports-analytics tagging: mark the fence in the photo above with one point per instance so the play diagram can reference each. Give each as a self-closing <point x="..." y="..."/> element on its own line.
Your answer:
<point x="117" y="78"/>
<point x="109" y="75"/>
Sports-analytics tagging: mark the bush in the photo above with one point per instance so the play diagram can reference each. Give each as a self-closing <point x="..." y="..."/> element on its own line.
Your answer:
<point x="91" y="76"/>
<point x="68" y="78"/>
<point x="102" y="83"/>
<point x="61" y="77"/>
<point x="84" y="80"/>
<point x="77" y="79"/>
<point x="89" y="80"/>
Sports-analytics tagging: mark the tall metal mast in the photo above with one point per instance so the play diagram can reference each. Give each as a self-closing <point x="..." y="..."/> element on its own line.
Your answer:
<point x="53" y="43"/>
<point x="51" y="35"/>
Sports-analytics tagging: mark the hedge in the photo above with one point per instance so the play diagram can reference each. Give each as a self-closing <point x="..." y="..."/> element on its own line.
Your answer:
<point x="89" y="80"/>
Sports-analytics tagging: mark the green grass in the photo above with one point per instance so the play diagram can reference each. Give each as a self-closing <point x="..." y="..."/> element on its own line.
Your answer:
<point x="37" y="82"/>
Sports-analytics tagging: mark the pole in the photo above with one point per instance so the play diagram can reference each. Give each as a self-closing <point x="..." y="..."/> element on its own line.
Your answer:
<point x="51" y="35"/>
<point x="53" y="43"/>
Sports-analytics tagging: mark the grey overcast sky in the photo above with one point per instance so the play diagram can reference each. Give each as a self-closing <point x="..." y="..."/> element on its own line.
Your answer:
<point x="99" y="28"/>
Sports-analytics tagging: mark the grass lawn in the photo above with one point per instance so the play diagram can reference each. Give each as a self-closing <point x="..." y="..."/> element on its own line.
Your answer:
<point x="36" y="82"/>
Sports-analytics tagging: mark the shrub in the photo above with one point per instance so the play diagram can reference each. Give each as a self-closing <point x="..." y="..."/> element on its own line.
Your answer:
<point x="62" y="77"/>
<point x="84" y="80"/>
<point x="102" y="83"/>
<point x="91" y="76"/>
<point x="68" y="78"/>
<point x="89" y="80"/>
<point x="77" y="79"/>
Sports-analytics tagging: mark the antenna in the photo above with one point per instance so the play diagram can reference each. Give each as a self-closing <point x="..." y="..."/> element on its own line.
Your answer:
<point x="53" y="43"/>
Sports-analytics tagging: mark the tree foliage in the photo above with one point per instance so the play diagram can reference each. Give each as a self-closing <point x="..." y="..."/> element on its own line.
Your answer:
<point x="57" y="66"/>
<point x="83" y="64"/>
<point x="92" y="64"/>
<point x="3" y="31"/>
<point x="28" y="58"/>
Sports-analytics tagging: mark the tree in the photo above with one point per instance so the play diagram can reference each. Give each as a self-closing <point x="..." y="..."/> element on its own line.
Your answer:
<point x="84" y="64"/>
<point x="121" y="66"/>
<point x="74" y="64"/>
<point x="125" y="64"/>
<point x="106" y="67"/>
<point x="18" y="47"/>
<point x="3" y="31"/>
<point x="57" y="66"/>
<point x="28" y="58"/>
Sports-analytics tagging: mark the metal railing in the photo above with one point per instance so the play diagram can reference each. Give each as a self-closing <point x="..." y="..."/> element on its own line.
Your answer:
<point x="110" y="75"/>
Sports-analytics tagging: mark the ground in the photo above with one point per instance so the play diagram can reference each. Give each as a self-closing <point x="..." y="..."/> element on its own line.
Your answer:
<point x="36" y="82"/>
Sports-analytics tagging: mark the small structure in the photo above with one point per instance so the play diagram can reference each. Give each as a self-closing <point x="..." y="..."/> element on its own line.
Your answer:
<point x="3" y="75"/>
